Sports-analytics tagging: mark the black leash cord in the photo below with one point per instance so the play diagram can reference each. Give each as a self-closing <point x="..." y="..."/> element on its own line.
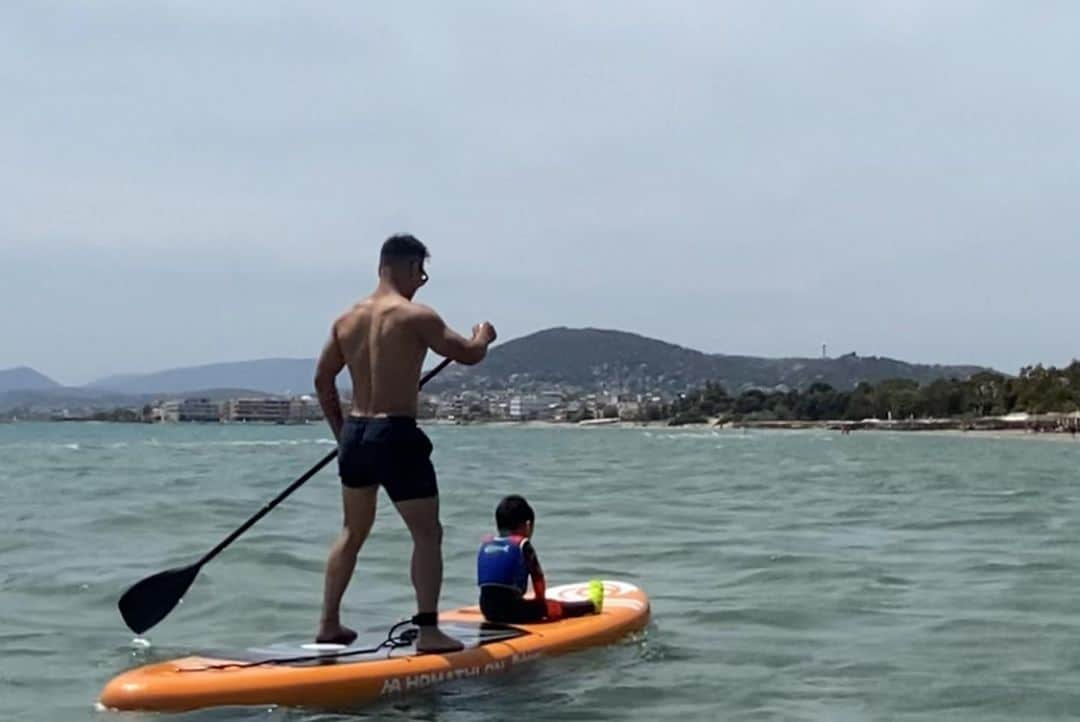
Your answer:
<point x="392" y="641"/>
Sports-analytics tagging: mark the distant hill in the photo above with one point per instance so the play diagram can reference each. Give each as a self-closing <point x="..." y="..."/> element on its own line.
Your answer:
<point x="587" y="359"/>
<point x="591" y="359"/>
<point x="272" y="375"/>
<point x="24" y="378"/>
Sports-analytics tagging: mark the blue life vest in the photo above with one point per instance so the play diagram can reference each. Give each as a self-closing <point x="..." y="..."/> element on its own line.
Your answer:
<point x="501" y="562"/>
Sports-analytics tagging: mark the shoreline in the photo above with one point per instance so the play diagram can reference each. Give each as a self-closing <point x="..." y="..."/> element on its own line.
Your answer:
<point x="1034" y="427"/>
<point x="982" y="428"/>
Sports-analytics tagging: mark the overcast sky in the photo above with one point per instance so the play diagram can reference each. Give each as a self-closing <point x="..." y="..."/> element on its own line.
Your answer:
<point x="190" y="182"/>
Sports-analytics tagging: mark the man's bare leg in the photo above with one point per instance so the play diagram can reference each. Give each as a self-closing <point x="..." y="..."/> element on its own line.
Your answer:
<point x="422" y="518"/>
<point x="359" y="506"/>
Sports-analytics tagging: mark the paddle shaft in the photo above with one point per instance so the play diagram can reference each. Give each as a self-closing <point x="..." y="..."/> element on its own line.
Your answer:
<point x="294" y="486"/>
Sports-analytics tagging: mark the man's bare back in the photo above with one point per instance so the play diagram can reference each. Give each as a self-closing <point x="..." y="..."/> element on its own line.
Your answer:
<point x="383" y="340"/>
<point x="382" y="346"/>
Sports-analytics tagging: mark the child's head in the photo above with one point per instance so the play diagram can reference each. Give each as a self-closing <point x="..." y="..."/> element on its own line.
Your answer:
<point x="513" y="515"/>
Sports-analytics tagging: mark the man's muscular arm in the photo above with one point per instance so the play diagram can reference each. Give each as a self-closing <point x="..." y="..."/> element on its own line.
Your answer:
<point x="441" y="339"/>
<point x="330" y="363"/>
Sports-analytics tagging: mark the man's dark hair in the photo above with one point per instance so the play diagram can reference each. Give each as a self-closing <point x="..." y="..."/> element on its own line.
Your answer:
<point x="402" y="247"/>
<point x="512" y="512"/>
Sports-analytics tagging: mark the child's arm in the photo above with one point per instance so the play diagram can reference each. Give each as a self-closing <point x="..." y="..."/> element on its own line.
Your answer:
<point x="535" y="572"/>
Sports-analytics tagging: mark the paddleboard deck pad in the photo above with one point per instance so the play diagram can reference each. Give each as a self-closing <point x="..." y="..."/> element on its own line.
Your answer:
<point x="338" y="677"/>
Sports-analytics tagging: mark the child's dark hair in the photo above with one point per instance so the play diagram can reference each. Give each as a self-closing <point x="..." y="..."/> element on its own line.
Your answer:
<point x="513" y="512"/>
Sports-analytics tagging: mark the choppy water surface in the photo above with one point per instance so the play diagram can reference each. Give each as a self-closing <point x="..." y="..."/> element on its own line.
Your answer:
<point x="795" y="576"/>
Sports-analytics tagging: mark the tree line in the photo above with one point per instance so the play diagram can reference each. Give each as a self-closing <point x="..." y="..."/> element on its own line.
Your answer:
<point x="1037" y="389"/>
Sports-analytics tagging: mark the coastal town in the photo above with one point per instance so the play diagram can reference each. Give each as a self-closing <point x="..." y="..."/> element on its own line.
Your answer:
<point x="558" y="406"/>
<point x="1037" y="399"/>
<point x="555" y="405"/>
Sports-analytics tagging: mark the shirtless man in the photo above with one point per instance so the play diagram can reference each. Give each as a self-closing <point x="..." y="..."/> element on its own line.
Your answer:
<point x="383" y="340"/>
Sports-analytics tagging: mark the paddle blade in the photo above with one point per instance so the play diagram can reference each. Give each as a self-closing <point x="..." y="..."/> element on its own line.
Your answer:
<point x="149" y="601"/>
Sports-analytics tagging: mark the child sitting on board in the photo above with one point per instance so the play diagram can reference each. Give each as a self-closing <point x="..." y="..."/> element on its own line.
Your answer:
<point x="506" y="562"/>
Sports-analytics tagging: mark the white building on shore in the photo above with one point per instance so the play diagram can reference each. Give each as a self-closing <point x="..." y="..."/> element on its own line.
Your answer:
<point x="304" y="409"/>
<point x="191" y="410"/>
<point x="544" y="406"/>
<point x="267" y="410"/>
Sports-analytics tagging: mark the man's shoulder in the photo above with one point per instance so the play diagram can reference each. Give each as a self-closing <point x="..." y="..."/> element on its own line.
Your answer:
<point x="399" y="311"/>
<point x="417" y="313"/>
<point x="419" y="309"/>
<point x="354" y="313"/>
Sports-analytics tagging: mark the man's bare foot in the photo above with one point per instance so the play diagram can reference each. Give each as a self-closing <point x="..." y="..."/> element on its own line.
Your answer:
<point x="335" y="635"/>
<point x="432" y="640"/>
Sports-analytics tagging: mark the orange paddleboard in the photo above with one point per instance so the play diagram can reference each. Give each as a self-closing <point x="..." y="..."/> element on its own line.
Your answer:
<point x="297" y="676"/>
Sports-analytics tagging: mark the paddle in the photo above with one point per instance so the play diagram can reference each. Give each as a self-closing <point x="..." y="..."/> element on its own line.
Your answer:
<point x="147" y="602"/>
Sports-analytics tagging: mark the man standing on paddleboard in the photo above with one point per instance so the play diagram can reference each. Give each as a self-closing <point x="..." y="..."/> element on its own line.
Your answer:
<point x="383" y="340"/>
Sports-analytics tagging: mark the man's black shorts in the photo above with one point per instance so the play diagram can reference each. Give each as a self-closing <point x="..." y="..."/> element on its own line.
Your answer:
<point x="391" y="451"/>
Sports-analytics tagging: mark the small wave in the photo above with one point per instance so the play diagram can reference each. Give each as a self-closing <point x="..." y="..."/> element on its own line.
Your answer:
<point x="1008" y="493"/>
<point x="243" y="443"/>
<point x="650" y="651"/>
<point x="781" y="618"/>
<point x="1002" y="567"/>
<point x="73" y="447"/>
<point x="976" y="521"/>
<point x="680" y="435"/>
